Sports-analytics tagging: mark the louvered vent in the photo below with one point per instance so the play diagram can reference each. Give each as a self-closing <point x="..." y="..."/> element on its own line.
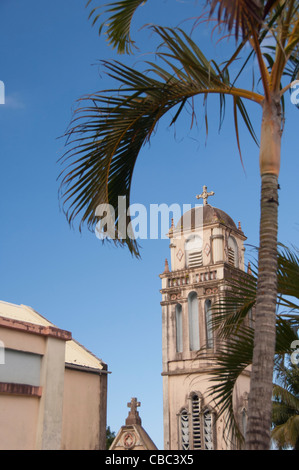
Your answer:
<point x="208" y="431"/>
<point x="196" y="422"/>
<point x="185" y="430"/>
<point x="231" y="256"/>
<point x="195" y="259"/>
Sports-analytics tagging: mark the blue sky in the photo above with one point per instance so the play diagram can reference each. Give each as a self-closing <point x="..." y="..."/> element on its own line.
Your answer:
<point x="49" y="57"/>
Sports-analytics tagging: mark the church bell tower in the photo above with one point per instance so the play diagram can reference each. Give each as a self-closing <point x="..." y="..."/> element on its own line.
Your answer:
<point x="206" y="249"/>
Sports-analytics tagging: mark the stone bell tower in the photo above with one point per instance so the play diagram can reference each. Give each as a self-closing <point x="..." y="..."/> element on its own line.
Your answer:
<point x="206" y="248"/>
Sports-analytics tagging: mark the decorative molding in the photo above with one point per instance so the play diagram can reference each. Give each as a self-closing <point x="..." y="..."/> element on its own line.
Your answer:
<point x="175" y="296"/>
<point x="35" y="329"/>
<point x="211" y="290"/>
<point x="207" y="249"/>
<point x="20" y="389"/>
<point x="180" y="255"/>
<point x="129" y="440"/>
<point x="202" y="369"/>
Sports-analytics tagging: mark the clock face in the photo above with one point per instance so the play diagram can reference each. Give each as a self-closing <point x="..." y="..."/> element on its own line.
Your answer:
<point x="129" y="440"/>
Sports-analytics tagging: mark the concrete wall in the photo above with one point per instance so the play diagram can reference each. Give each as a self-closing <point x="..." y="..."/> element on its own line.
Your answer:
<point x="84" y="411"/>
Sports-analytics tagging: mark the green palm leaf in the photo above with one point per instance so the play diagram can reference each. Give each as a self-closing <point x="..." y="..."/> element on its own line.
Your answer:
<point x="233" y="310"/>
<point x="289" y="400"/>
<point x="285" y="432"/>
<point x="232" y="358"/>
<point x="118" y="24"/>
<point x="288" y="277"/>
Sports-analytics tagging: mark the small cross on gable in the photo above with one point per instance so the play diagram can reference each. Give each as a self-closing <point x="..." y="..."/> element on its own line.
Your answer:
<point x="133" y="417"/>
<point x="133" y="404"/>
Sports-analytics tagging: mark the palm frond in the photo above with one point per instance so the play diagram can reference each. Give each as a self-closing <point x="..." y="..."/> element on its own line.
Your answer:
<point x="292" y="68"/>
<point x="233" y="309"/>
<point x="285" y="33"/>
<point x="234" y="329"/>
<point x="118" y="24"/>
<point x="108" y="132"/>
<point x="280" y="413"/>
<point x="289" y="399"/>
<point x="241" y="16"/>
<point x="285" y="414"/>
<point x="288" y="277"/>
<point x="292" y="37"/>
<point x="232" y="358"/>
<point x="278" y="435"/>
<point x="285" y="335"/>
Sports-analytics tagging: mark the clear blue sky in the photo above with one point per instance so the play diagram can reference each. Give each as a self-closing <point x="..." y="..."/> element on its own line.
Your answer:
<point x="49" y="57"/>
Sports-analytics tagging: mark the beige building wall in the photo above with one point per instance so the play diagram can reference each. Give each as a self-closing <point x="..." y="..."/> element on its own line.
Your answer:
<point x="53" y="392"/>
<point x="23" y="411"/>
<point x="86" y="393"/>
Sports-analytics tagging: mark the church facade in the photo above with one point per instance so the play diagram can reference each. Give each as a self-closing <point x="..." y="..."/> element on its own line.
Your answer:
<point x="206" y="249"/>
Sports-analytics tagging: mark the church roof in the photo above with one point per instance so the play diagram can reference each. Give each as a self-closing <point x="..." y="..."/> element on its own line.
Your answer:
<point x="75" y="353"/>
<point x="205" y="215"/>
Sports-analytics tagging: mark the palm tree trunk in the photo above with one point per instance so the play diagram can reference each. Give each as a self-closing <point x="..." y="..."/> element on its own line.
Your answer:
<point x="260" y="397"/>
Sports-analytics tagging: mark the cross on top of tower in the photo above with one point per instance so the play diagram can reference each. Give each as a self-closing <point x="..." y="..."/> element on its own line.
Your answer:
<point x="204" y="195"/>
<point x="133" y="417"/>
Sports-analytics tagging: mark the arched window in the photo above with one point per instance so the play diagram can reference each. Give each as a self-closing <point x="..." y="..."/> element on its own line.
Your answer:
<point x="233" y="258"/>
<point x="196" y="427"/>
<point x="193" y="322"/>
<point x="208" y="318"/>
<point x="184" y="430"/>
<point x="193" y="250"/>
<point x="179" y="327"/>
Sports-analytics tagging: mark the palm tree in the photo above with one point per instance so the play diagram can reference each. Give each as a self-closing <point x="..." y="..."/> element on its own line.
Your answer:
<point x="233" y="321"/>
<point x="107" y="134"/>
